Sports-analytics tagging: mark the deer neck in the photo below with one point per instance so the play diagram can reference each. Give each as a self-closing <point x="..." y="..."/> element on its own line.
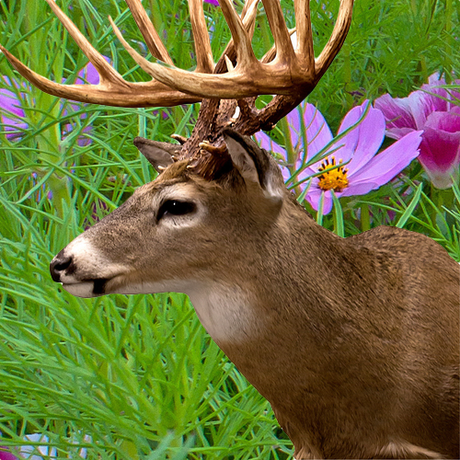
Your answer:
<point x="279" y="279"/>
<point x="278" y="313"/>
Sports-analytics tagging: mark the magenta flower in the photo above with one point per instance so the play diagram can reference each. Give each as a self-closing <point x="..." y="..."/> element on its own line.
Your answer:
<point x="4" y="455"/>
<point x="436" y="110"/>
<point x="13" y="116"/>
<point x="212" y="2"/>
<point x="357" y="169"/>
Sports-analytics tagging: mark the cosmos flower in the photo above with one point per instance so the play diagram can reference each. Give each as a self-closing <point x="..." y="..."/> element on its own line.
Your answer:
<point x="349" y="163"/>
<point x="435" y="109"/>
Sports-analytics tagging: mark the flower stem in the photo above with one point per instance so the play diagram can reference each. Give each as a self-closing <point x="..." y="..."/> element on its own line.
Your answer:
<point x="291" y="154"/>
<point x="346" y="55"/>
<point x="365" y="218"/>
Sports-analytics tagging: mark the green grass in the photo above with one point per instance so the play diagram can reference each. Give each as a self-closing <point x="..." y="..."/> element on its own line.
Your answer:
<point x="138" y="377"/>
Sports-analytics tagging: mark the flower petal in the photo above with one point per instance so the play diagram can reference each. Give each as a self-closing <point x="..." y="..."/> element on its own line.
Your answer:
<point x="314" y="197"/>
<point x="369" y="132"/>
<point x="4" y="455"/>
<point x="422" y="103"/>
<point x="89" y="74"/>
<point x="398" y="114"/>
<point x="318" y="132"/>
<point x="440" y="148"/>
<point x="293" y="119"/>
<point x="270" y="145"/>
<point x="360" y="188"/>
<point x="386" y="165"/>
<point x="267" y="143"/>
<point x="11" y="114"/>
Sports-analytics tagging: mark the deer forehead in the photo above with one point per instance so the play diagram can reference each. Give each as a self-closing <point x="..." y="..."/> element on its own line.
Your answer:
<point x="180" y="189"/>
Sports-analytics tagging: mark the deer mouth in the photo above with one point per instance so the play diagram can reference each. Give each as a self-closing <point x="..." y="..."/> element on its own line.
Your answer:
<point x="87" y="288"/>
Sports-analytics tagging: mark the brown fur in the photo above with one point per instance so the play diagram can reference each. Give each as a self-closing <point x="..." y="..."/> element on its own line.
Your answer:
<point x="357" y="347"/>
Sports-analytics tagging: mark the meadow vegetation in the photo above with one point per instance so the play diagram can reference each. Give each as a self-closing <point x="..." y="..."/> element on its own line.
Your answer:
<point x="137" y="377"/>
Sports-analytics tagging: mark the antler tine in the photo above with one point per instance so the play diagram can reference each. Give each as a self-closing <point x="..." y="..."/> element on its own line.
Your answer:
<point x="148" y="31"/>
<point x="283" y="45"/>
<point x="281" y="105"/>
<point x="140" y="60"/>
<point x="271" y="53"/>
<point x="248" y="16"/>
<point x="289" y="72"/>
<point x="106" y="72"/>
<point x="337" y="38"/>
<point x="191" y="82"/>
<point x="240" y="36"/>
<point x="204" y="59"/>
<point x="304" y="33"/>
<point x="226" y="85"/>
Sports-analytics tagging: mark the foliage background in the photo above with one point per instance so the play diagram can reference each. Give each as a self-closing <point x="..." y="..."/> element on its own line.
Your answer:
<point x="138" y="377"/>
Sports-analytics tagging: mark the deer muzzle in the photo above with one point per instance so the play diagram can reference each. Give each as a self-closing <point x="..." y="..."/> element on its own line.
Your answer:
<point x="82" y="270"/>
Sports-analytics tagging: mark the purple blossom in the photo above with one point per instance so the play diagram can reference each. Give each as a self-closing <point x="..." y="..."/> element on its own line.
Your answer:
<point x="436" y="110"/>
<point x="352" y="153"/>
<point x="212" y="2"/>
<point x="12" y="114"/>
<point x="4" y="455"/>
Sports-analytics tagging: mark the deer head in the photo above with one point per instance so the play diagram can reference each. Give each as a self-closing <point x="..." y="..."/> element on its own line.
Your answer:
<point x="346" y="338"/>
<point x="183" y="212"/>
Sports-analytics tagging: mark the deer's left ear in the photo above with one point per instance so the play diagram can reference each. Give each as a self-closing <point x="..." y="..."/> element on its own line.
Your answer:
<point x="255" y="164"/>
<point x="159" y="154"/>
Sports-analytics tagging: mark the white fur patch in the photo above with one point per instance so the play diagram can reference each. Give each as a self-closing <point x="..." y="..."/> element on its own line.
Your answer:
<point x="224" y="311"/>
<point x="80" y="289"/>
<point x="404" y="449"/>
<point x="273" y="190"/>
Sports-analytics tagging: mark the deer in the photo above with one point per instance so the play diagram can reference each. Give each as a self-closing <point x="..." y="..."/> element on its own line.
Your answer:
<point x="353" y="341"/>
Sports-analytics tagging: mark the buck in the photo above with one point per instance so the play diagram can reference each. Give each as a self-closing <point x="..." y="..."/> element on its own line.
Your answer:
<point x="354" y="341"/>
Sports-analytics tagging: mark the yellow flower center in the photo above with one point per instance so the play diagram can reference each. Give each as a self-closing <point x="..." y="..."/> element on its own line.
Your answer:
<point x="336" y="179"/>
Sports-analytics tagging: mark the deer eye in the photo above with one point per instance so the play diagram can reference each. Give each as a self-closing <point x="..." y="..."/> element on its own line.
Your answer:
<point x="176" y="208"/>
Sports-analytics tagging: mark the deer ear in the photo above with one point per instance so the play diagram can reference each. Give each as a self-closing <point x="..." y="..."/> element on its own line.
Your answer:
<point x="254" y="163"/>
<point x="159" y="154"/>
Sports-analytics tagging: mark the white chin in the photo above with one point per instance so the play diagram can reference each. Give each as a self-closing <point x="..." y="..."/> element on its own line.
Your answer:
<point x="85" y="289"/>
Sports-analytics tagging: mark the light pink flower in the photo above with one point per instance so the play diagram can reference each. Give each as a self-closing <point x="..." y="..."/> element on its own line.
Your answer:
<point x="358" y="140"/>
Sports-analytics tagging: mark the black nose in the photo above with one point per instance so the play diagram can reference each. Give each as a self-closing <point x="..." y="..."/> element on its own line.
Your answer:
<point x="60" y="264"/>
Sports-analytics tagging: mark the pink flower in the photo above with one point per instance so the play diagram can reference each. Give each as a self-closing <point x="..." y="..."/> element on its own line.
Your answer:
<point x="357" y="168"/>
<point x="436" y="110"/>
<point x="4" y="455"/>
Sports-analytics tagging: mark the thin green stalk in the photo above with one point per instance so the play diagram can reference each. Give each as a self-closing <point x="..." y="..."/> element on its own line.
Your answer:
<point x="365" y="217"/>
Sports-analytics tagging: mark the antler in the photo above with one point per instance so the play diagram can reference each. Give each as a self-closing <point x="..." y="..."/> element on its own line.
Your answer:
<point x="283" y="71"/>
<point x="235" y="81"/>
